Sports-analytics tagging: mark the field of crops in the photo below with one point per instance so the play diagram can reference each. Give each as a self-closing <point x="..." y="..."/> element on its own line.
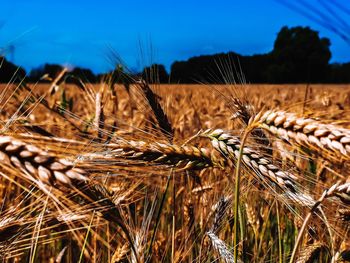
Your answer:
<point x="174" y="173"/>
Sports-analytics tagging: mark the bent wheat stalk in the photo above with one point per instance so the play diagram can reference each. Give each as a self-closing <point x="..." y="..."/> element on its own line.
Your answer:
<point x="332" y="191"/>
<point x="260" y="166"/>
<point x="339" y="190"/>
<point x="232" y="148"/>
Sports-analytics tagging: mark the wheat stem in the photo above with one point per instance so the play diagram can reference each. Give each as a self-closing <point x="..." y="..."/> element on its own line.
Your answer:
<point x="237" y="187"/>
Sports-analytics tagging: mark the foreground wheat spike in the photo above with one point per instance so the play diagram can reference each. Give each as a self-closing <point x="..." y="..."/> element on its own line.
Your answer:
<point x="40" y="164"/>
<point x="181" y="157"/>
<point x="244" y="111"/>
<point x="329" y="140"/>
<point x="220" y="210"/>
<point x="42" y="167"/>
<point x="221" y="248"/>
<point x="339" y="190"/>
<point x="260" y="166"/>
<point x="120" y="253"/>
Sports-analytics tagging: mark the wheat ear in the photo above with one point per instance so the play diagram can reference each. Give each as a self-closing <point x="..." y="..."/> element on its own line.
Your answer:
<point x="40" y="164"/>
<point x="328" y="140"/>
<point x="221" y="248"/>
<point x="309" y="253"/>
<point x="44" y="168"/>
<point x="180" y="157"/>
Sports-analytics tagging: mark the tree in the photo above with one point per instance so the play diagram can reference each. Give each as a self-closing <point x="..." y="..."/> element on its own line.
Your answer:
<point x="299" y="55"/>
<point x="340" y="73"/>
<point x="207" y="68"/>
<point x="156" y="73"/>
<point x="10" y="72"/>
<point x="52" y="70"/>
<point x="86" y="75"/>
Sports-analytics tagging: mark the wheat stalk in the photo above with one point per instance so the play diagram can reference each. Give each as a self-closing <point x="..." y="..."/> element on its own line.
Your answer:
<point x="14" y="228"/>
<point x="335" y="190"/>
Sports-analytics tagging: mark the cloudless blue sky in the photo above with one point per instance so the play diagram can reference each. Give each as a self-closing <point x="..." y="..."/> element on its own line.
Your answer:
<point x="80" y="33"/>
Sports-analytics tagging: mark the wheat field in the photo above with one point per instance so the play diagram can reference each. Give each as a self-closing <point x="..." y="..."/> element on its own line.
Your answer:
<point x="174" y="173"/>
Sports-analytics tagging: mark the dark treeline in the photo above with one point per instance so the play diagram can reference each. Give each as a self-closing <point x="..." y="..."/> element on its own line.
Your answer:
<point x="299" y="55"/>
<point x="47" y="72"/>
<point x="10" y="72"/>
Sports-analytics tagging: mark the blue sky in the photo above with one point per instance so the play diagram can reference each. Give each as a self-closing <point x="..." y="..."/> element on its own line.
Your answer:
<point x="81" y="33"/>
